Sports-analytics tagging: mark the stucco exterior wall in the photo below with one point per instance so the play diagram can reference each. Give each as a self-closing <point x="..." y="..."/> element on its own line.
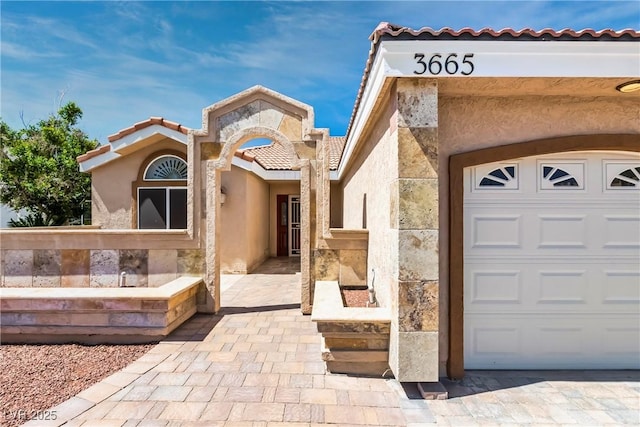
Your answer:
<point x="233" y="234"/>
<point x="336" y="206"/>
<point x="244" y="233"/>
<point x="367" y="188"/>
<point x="111" y="191"/>
<point x="470" y="123"/>
<point x="292" y="188"/>
<point x="257" y="221"/>
<point x="244" y="236"/>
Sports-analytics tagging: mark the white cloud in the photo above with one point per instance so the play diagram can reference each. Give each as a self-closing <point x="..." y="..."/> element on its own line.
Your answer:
<point x="131" y="60"/>
<point x="22" y="52"/>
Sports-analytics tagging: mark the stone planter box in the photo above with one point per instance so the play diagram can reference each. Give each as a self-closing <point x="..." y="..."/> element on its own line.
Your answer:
<point x="96" y="315"/>
<point x="355" y="340"/>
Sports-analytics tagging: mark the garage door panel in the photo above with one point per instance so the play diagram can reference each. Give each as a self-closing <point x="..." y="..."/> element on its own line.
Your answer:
<point x="562" y="287"/>
<point x="560" y="342"/>
<point x="495" y="287"/>
<point x="557" y="286"/>
<point x="621" y="287"/>
<point x="596" y="233"/>
<point x="491" y="341"/>
<point x="623" y="341"/>
<point x="496" y="231"/>
<point x="621" y="231"/>
<point x="562" y="231"/>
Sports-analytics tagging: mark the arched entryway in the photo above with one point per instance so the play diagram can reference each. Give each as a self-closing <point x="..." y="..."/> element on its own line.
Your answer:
<point x="505" y="284"/>
<point x="255" y="113"/>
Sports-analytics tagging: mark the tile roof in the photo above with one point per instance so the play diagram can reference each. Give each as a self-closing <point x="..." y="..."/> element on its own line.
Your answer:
<point x="93" y="153"/>
<point x="270" y="157"/>
<point x="146" y="123"/>
<point x="276" y="157"/>
<point x="128" y="131"/>
<point x="388" y="31"/>
<point x="336" y="147"/>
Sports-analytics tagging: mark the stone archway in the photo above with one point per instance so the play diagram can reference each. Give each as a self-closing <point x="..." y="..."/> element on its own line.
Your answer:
<point x="256" y="112"/>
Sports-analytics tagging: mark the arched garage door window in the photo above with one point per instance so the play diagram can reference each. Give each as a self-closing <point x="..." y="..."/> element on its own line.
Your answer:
<point x="163" y="205"/>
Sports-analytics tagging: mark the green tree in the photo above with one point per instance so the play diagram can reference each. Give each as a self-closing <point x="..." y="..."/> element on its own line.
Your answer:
<point x="38" y="168"/>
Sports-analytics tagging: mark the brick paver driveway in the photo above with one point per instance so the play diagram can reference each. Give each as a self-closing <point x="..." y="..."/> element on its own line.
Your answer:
<point x="258" y="363"/>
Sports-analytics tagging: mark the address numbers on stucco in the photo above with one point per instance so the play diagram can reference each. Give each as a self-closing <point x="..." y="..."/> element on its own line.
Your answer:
<point x="438" y="63"/>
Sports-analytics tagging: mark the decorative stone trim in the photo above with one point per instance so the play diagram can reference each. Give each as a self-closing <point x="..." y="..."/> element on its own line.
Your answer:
<point x="96" y="315"/>
<point x="354" y="340"/>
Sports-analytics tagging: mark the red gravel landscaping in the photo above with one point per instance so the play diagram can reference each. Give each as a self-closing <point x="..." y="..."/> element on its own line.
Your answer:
<point x="33" y="378"/>
<point x="355" y="297"/>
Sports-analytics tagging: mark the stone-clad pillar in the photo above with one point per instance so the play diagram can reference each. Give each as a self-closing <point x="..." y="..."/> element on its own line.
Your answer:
<point x="414" y="216"/>
<point x="212" y="235"/>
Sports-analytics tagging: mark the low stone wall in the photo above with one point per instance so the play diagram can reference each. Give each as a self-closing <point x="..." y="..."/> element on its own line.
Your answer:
<point x="96" y="315"/>
<point x="342" y="256"/>
<point x="355" y="340"/>
<point x="81" y="268"/>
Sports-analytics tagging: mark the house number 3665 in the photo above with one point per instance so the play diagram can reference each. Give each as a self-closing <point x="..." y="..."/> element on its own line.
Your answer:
<point x="449" y="64"/>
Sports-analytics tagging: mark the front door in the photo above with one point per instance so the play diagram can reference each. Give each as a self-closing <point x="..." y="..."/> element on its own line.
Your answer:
<point x="283" y="225"/>
<point x="294" y="225"/>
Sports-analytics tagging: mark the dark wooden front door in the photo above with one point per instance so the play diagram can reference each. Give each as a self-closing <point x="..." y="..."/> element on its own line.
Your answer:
<point x="283" y="224"/>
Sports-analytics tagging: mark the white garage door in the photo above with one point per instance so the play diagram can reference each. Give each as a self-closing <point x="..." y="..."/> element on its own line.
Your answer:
<point x="552" y="262"/>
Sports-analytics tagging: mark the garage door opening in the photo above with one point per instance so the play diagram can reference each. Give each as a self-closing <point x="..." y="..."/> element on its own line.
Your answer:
<point x="551" y="252"/>
<point x="550" y="255"/>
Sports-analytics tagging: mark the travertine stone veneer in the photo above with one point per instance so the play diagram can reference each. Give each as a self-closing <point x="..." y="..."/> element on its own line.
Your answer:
<point x="100" y="268"/>
<point x="74" y="271"/>
<point x="342" y="256"/>
<point x="355" y="339"/>
<point x="17" y="268"/>
<point x="254" y="113"/>
<point x="96" y="315"/>
<point x="414" y="216"/>
<point x="46" y="268"/>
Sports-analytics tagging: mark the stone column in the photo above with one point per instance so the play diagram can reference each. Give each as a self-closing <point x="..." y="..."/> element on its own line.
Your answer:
<point x="414" y="216"/>
<point x="306" y="291"/>
<point x="212" y="185"/>
<point x="324" y="186"/>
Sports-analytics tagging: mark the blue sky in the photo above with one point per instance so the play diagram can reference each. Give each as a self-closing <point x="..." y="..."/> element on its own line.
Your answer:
<point x="123" y="62"/>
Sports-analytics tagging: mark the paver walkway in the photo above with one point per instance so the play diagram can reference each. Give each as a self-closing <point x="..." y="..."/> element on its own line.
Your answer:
<point x="258" y="363"/>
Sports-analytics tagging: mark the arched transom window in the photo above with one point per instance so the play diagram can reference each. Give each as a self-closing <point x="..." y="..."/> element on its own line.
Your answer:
<point x="166" y="168"/>
<point x="162" y="199"/>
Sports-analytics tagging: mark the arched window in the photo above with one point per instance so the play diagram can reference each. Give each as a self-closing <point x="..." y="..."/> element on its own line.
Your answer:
<point x="166" y="168"/>
<point x="499" y="177"/>
<point x="627" y="178"/>
<point x="503" y="177"/>
<point x="162" y="196"/>
<point x="557" y="177"/>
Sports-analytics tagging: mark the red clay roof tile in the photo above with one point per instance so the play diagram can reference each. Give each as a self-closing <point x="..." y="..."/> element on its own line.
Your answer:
<point x="336" y="147"/>
<point x="93" y="153"/>
<point x="146" y="123"/>
<point x="276" y="157"/>
<point x="397" y="31"/>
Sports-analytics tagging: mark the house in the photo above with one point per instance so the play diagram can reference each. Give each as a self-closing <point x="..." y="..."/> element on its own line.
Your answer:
<point x="489" y="181"/>
<point x="261" y="213"/>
